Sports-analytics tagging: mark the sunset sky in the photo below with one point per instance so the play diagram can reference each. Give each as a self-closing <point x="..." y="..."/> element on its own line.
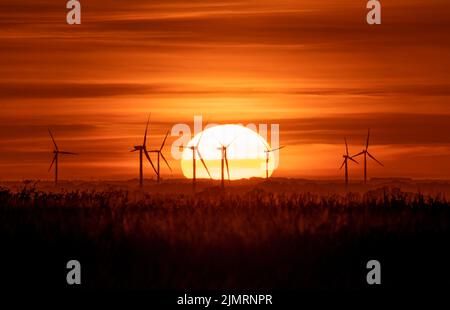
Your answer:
<point x="314" y="67"/>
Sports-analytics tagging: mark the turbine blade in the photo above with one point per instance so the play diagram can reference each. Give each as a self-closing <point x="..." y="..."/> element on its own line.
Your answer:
<point x="232" y="141"/>
<point x="150" y="160"/>
<point x="204" y="164"/>
<point x="68" y="153"/>
<point x="166" y="162"/>
<point x="146" y="130"/>
<point x="353" y="160"/>
<point x="226" y="162"/>
<point x="200" y="139"/>
<point x="375" y="159"/>
<point x="346" y="146"/>
<point x="368" y="137"/>
<point x="266" y="146"/>
<point x="164" y="142"/>
<point x="359" y="154"/>
<point x="53" y="161"/>
<point x="53" y="139"/>
<point x="201" y="135"/>
<point x="218" y="141"/>
<point x="278" y="148"/>
<point x="343" y="163"/>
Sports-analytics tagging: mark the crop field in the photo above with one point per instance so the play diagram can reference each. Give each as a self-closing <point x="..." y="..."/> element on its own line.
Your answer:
<point x="246" y="238"/>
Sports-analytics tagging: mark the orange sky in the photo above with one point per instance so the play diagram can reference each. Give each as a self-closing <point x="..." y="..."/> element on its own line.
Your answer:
<point x="314" y="67"/>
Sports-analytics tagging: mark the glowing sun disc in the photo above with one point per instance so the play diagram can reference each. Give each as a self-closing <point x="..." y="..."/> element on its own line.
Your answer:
<point x="246" y="153"/>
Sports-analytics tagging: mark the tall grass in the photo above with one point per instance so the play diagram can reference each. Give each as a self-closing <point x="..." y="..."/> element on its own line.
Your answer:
<point x="250" y="240"/>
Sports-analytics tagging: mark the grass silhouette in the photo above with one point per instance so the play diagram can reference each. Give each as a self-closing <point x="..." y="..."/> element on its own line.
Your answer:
<point x="251" y="240"/>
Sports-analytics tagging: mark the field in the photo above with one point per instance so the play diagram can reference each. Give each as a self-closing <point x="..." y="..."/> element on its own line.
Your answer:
<point x="280" y="234"/>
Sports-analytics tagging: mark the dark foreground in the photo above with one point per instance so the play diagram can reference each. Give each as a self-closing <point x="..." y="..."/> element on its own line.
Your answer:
<point x="252" y="240"/>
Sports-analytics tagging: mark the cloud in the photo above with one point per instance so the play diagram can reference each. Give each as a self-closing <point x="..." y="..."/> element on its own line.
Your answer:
<point x="315" y="67"/>
<point x="387" y="129"/>
<point x="71" y="90"/>
<point x="66" y="90"/>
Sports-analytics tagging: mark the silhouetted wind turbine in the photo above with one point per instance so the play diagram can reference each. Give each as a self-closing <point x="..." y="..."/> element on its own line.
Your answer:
<point x="347" y="157"/>
<point x="268" y="151"/>
<point x="143" y="151"/>
<point x="161" y="155"/>
<point x="56" y="153"/>
<point x="224" y="160"/>
<point x="366" y="153"/>
<point x="196" y="151"/>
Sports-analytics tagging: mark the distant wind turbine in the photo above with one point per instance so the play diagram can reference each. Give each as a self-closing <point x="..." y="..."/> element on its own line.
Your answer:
<point x="224" y="160"/>
<point x="347" y="157"/>
<point x="195" y="150"/>
<point x="143" y="151"/>
<point x="366" y="153"/>
<point x="268" y="151"/>
<point x="161" y="155"/>
<point x="56" y="153"/>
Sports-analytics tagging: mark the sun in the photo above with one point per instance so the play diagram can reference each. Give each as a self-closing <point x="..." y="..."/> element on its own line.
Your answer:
<point x="245" y="151"/>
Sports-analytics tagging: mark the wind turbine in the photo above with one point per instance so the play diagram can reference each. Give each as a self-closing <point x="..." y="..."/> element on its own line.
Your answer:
<point x="56" y="153"/>
<point x="268" y="151"/>
<point x="161" y="155"/>
<point x="366" y="153"/>
<point x="195" y="150"/>
<point x="224" y="160"/>
<point x="347" y="157"/>
<point x="143" y="151"/>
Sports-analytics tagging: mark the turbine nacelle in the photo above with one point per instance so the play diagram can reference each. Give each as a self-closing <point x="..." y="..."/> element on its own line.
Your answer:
<point x="192" y="148"/>
<point x="138" y="148"/>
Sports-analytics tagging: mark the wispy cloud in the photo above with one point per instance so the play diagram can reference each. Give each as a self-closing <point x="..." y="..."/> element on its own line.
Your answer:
<point x="315" y="67"/>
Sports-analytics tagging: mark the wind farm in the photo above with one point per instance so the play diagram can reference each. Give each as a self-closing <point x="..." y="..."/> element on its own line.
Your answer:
<point x="326" y="167"/>
<point x="174" y="222"/>
<point x="225" y="174"/>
